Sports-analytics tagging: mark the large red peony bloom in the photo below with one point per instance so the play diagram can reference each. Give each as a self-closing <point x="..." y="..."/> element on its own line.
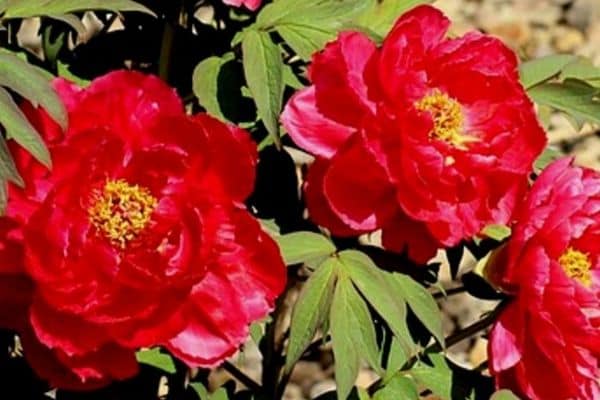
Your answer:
<point x="546" y="343"/>
<point x="138" y="237"/>
<point x="250" y="4"/>
<point x="429" y="138"/>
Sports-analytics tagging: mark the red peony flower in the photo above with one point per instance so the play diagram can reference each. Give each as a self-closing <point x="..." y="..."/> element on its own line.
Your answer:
<point x="138" y="237"/>
<point x="428" y="138"/>
<point x="546" y="343"/>
<point x="252" y="5"/>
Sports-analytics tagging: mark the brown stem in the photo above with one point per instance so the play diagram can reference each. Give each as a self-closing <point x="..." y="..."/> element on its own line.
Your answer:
<point x="242" y="377"/>
<point x="449" y="292"/>
<point x="450" y="341"/>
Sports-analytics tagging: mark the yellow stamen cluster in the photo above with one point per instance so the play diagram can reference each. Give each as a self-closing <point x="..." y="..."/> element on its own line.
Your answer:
<point x="121" y="211"/>
<point x="447" y="118"/>
<point x="577" y="265"/>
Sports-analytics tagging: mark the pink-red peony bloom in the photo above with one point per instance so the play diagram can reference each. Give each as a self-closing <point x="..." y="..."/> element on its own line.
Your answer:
<point x="428" y="138"/>
<point x="546" y="343"/>
<point x="138" y="237"/>
<point x="252" y="5"/>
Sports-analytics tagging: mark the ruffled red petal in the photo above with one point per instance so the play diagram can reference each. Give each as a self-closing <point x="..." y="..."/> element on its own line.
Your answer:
<point x="240" y="287"/>
<point x="310" y="128"/>
<point x="233" y="158"/>
<point x="318" y="206"/>
<point x="481" y="67"/>
<point x="546" y="343"/>
<point x="403" y="61"/>
<point x="86" y="372"/>
<point x="124" y="102"/>
<point x="338" y="74"/>
<point x="71" y="334"/>
<point x="95" y="302"/>
<point x="404" y="234"/>
<point x="507" y="339"/>
<point x="252" y="5"/>
<point x="357" y="187"/>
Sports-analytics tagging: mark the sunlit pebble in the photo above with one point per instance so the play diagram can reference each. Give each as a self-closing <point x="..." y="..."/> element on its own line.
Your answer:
<point x="163" y="387"/>
<point x="16" y="350"/>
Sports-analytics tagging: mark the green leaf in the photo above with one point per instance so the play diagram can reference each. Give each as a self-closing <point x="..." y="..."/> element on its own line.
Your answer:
<point x="381" y="14"/>
<point x="307" y="25"/>
<point x="20" y="129"/>
<point x="203" y="393"/>
<point x="498" y="232"/>
<point x="220" y="394"/>
<point x="53" y="43"/>
<point x="396" y="358"/>
<point x="35" y="8"/>
<point x="399" y="387"/>
<point x="437" y="378"/>
<point x="310" y="310"/>
<point x="362" y="394"/>
<point x="263" y="68"/>
<point x="8" y="169"/>
<point x="582" y="69"/>
<point x="421" y="303"/>
<point x="541" y="69"/>
<point x="305" y="40"/>
<point x="301" y="247"/>
<point x="352" y="335"/>
<point x="290" y="78"/>
<point x="374" y="285"/>
<point x="205" y="84"/>
<point x="504" y="394"/>
<point x="330" y="14"/>
<point x="549" y="155"/>
<point x="155" y="358"/>
<point x="72" y="20"/>
<point x="573" y="97"/>
<point x="65" y="72"/>
<point x="31" y="83"/>
<point x="270" y="226"/>
<point x="257" y="331"/>
<point x="200" y="390"/>
<point x="217" y="85"/>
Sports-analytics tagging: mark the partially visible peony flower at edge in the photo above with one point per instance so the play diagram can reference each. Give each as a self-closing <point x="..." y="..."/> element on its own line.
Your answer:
<point x="546" y="343"/>
<point x="138" y="237"/>
<point x="428" y="138"/>
<point x="252" y="5"/>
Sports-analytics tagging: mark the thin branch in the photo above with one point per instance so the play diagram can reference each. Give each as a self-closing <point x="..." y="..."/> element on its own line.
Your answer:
<point x="242" y="377"/>
<point x="166" y="49"/>
<point x="450" y="341"/>
<point x="285" y="378"/>
<point x="449" y="292"/>
<point x="273" y="360"/>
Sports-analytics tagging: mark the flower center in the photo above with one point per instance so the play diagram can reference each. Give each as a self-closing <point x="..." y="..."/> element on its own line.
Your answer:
<point x="121" y="211"/>
<point x="577" y="266"/>
<point x="447" y="118"/>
